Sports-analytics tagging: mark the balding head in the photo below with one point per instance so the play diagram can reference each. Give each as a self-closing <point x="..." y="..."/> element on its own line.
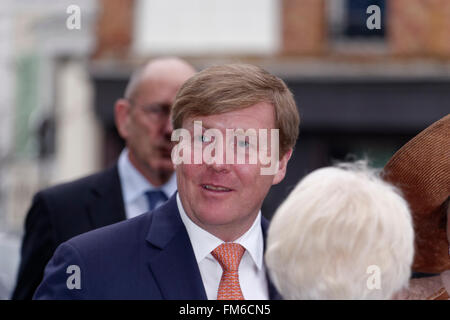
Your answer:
<point x="169" y="70"/>
<point x="142" y="117"/>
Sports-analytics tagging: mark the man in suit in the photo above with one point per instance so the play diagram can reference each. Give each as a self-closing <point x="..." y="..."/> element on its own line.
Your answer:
<point x="207" y="240"/>
<point x="142" y="179"/>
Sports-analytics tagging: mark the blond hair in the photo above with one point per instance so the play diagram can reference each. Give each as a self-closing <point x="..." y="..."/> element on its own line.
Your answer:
<point x="225" y="88"/>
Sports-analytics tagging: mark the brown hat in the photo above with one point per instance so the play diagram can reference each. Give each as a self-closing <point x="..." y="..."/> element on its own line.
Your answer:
<point x="421" y="170"/>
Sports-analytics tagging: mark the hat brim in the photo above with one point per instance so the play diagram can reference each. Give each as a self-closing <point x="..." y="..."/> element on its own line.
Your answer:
<point x="421" y="170"/>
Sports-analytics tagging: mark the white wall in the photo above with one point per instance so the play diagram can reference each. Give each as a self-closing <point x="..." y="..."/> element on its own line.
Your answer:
<point x="206" y="26"/>
<point x="78" y="133"/>
<point x="37" y="29"/>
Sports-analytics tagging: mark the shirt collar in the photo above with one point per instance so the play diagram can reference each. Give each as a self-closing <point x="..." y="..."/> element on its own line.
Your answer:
<point x="134" y="184"/>
<point x="204" y="242"/>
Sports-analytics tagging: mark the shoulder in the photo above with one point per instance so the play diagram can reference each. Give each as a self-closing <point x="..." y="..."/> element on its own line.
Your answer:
<point x="64" y="198"/>
<point x="104" y="260"/>
<point x="114" y="241"/>
<point x="112" y="260"/>
<point x="63" y="208"/>
<point x="421" y="289"/>
<point x="50" y="203"/>
<point x="69" y="189"/>
<point x="113" y="238"/>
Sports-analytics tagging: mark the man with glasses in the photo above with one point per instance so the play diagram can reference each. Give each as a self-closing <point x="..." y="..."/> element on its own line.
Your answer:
<point x="142" y="179"/>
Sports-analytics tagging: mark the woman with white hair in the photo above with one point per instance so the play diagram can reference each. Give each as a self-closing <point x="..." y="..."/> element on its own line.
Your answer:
<point x="342" y="233"/>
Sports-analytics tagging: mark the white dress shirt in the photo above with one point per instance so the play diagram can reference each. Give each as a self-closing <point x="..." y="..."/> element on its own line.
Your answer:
<point x="134" y="185"/>
<point x="252" y="275"/>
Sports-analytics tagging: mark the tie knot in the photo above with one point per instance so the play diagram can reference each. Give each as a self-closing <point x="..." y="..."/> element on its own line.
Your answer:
<point x="154" y="198"/>
<point x="229" y="255"/>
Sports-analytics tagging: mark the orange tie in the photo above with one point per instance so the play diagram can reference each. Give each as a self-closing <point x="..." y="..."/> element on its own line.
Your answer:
<point x="229" y="256"/>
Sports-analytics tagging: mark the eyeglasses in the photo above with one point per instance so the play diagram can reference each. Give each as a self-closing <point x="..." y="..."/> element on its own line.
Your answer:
<point x="156" y="111"/>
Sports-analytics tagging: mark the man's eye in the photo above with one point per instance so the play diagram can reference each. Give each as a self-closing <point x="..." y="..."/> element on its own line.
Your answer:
<point x="155" y="110"/>
<point x="204" y="138"/>
<point x="243" y="144"/>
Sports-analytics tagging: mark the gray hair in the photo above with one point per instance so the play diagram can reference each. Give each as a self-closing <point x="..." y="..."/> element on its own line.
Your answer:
<point x="156" y="68"/>
<point x="335" y="224"/>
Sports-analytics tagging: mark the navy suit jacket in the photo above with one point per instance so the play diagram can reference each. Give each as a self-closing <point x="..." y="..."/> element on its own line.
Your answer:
<point x="60" y="213"/>
<point x="147" y="257"/>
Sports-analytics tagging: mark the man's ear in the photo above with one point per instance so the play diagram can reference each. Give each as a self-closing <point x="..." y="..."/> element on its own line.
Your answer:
<point x="282" y="165"/>
<point x="121" y="116"/>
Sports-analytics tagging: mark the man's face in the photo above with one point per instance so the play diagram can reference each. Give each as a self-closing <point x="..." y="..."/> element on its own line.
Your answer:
<point x="224" y="199"/>
<point x="149" y="127"/>
<point x="144" y="123"/>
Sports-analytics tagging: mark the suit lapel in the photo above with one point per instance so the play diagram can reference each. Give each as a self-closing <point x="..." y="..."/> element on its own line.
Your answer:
<point x="171" y="260"/>
<point x="171" y="257"/>
<point x="273" y="292"/>
<point x="105" y="202"/>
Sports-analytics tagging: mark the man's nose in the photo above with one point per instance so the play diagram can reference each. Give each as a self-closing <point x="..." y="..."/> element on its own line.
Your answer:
<point x="218" y="160"/>
<point x="168" y="127"/>
<point x="219" y="167"/>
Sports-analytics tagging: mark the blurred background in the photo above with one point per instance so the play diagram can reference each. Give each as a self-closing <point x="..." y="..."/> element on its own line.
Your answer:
<point x="360" y="92"/>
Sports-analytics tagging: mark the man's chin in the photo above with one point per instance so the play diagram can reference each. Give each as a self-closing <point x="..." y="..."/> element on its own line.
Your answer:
<point x="165" y="167"/>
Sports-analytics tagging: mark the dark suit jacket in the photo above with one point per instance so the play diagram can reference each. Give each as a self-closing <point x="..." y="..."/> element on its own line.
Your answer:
<point x="147" y="257"/>
<point x="60" y="213"/>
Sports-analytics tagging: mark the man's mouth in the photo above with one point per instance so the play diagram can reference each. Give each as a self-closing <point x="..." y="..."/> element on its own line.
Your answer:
<point x="165" y="151"/>
<point x="215" y="188"/>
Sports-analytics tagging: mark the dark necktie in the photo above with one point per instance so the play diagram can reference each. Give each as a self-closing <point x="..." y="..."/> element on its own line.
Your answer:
<point x="155" y="198"/>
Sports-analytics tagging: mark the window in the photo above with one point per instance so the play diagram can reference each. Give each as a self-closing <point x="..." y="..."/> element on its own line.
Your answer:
<point x="347" y="24"/>
<point x="356" y="18"/>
